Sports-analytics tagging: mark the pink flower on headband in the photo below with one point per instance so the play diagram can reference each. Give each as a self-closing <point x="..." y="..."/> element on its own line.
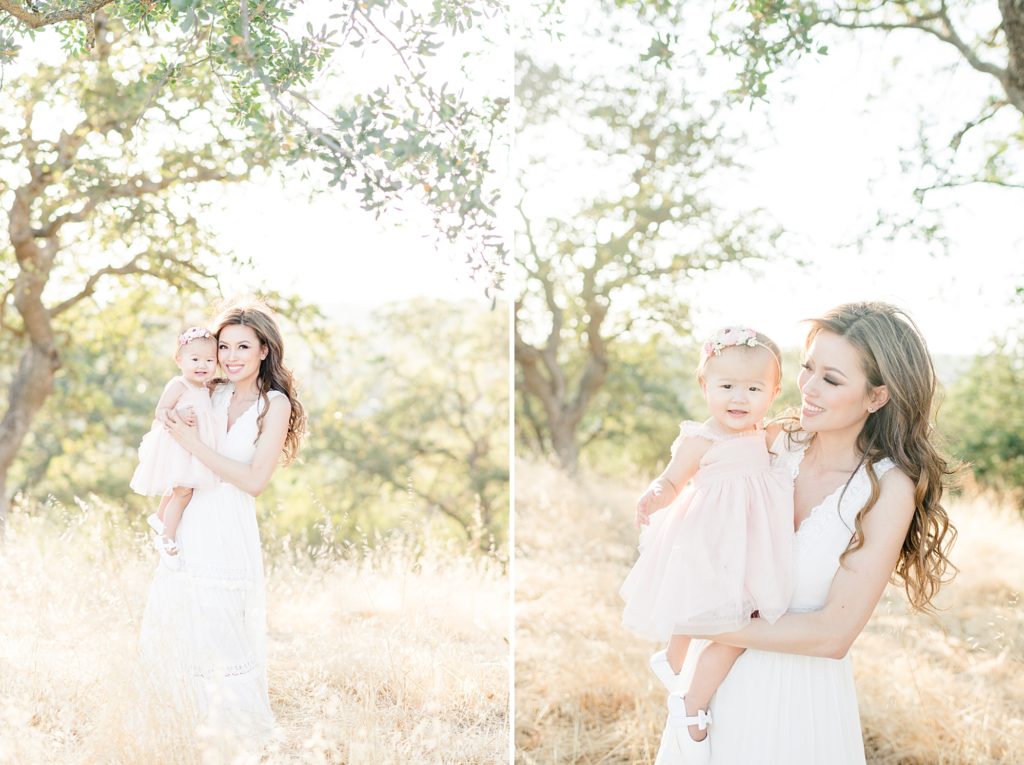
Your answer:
<point x="193" y="333"/>
<point x="728" y="337"/>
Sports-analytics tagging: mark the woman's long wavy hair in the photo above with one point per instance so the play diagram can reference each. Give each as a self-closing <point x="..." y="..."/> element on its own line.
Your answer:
<point x="273" y="374"/>
<point x="894" y="354"/>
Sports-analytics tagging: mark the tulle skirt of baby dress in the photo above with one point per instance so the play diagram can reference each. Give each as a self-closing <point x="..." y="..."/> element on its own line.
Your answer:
<point x="164" y="463"/>
<point x="720" y="551"/>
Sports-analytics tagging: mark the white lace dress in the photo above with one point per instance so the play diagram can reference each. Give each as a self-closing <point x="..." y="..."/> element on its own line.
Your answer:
<point x="205" y="624"/>
<point x="781" y="708"/>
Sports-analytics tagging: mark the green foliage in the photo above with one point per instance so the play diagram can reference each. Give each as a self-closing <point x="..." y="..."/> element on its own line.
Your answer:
<point x="634" y="419"/>
<point x="406" y="137"/>
<point x="983" y="419"/>
<point x="419" y="424"/>
<point x="399" y="444"/>
<point x="107" y="162"/>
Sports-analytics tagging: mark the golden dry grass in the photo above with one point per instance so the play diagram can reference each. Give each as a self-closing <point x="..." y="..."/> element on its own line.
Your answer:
<point x="393" y="659"/>
<point x="932" y="692"/>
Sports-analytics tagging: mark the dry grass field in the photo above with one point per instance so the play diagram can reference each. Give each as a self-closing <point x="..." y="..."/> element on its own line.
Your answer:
<point x="945" y="691"/>
<point x="392" y="659"/>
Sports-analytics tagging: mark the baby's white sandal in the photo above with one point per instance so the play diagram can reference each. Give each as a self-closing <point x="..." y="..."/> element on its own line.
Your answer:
<point x="155" y="523"/>
<point x="662" y="669"/>
<point x="170" y="553"/>
<point x="693" y="752"/>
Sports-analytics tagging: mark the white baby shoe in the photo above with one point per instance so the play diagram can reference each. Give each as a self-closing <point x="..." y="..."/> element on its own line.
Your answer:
<point x="662" y="669"/>
<point x="170" y="553"/>
<point x="693" y="752"/>
<point x="155" y="523"/>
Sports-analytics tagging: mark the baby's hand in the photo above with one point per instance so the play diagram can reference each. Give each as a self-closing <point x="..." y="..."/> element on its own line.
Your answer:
<point x="187" y="415"/>
<point x="643" y="505"/>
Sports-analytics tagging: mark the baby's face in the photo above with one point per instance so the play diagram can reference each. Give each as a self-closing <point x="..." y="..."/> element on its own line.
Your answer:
<point x="197" y="359"/>
<point x="739" y="386"/>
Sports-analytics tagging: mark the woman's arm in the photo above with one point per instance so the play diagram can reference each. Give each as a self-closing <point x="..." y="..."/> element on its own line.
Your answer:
<point x="856" y="589"/>
<point x="252" y="478"/>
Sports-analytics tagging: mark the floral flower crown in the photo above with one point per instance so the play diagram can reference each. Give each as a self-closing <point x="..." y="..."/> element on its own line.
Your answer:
<point x="193" y="333"/>
<point x="728" y="337"/>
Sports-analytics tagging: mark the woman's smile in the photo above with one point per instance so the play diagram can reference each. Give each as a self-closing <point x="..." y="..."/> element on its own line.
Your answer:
<point x="810" y="409"/>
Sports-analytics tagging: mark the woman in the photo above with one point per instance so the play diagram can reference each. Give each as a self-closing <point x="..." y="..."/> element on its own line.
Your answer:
<point x="204" y="626"/>
<point x="867" y="489"/>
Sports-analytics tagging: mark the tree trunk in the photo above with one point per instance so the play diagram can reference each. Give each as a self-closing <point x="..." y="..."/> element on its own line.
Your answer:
<point x="4" y="506"/>
<point x="567" y="449"/>
<point x="32" y="384"/>
<point x="1013" y="27"/>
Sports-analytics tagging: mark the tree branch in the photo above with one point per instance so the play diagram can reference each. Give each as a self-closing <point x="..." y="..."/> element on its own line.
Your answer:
<point x="274" y="91"/>
<point x="133" y="188"/>
<point x="949" y="37"/>
<point x="955" y="184"/>
<point x="416" y="77"/>
<point x="131" y="267"/>
<point x="35" y="20"/>
<point x="3" y="312"/>
<point x="994" y="108"/>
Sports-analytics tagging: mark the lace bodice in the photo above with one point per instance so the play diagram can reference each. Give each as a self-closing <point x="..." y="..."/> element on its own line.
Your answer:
<point x="239" y="443"/>
<point x="825" y="533"/>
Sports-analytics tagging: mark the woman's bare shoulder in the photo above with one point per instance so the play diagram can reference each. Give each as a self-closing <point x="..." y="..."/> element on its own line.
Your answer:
<point x="896" y="492"/>
<point x="896" y="482"/>
<point x="280" y="406"/>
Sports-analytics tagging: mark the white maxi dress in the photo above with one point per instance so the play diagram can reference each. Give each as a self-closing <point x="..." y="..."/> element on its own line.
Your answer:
<point x="786" y="709"/>
<point x="204" y="626"/>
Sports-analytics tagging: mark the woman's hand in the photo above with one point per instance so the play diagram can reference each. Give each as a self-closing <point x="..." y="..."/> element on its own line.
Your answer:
<point x="187" y="414"/>
<point x="184" y="433"/>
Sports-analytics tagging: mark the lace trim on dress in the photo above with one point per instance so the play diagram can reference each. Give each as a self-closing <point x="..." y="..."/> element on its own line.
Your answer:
<point x="851" y="496"/>
<point x="222" y="577"/>
<point x="208" y="672"/>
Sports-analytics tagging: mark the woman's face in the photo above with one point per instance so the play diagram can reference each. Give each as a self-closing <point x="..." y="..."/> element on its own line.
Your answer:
<point x="834" y="388"/>
<point x="239" y="352"/>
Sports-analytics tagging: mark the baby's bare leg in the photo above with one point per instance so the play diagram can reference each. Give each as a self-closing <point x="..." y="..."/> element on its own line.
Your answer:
<point x="678" y="645"/>
<point x="163" y="505"/>
<point x="713" y="665"/>
<point x="179" y="497"/>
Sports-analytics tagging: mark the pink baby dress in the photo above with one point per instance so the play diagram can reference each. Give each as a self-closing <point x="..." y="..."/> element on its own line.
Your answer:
<point x="721" y="550"/>
<point x="164" y="463"/>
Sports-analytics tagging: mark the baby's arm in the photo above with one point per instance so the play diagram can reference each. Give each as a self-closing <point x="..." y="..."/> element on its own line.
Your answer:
<point x="680" y="469"/>
<point x="169" y="399"/>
